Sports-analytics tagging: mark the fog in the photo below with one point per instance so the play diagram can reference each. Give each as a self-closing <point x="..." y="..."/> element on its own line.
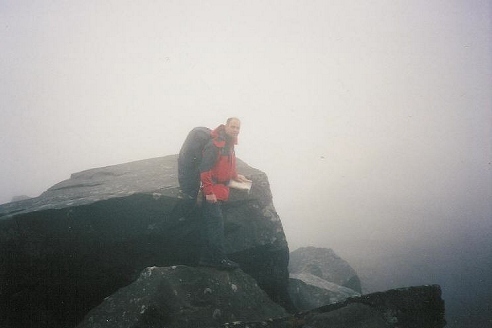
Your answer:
<point x="372" y="119"/>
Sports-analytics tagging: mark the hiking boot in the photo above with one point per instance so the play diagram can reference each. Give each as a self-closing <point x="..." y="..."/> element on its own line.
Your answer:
<point x="224" y="264"/>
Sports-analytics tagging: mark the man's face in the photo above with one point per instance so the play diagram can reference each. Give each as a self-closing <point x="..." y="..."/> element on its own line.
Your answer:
<point x="232" y="129"/>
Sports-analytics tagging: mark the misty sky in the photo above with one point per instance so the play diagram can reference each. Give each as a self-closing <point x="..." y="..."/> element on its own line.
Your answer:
<point x="372" y="119"/>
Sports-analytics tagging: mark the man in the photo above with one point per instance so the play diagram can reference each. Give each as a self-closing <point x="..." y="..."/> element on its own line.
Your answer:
<point x="217" y="168"/>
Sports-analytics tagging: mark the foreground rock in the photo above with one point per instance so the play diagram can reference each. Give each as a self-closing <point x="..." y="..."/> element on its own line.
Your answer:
<point x="62" y="253"/>
<point x="182" y="297"/>
<point x="414" y="307"/>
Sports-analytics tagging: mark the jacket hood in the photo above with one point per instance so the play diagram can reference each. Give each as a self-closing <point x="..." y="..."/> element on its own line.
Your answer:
<point x="219" y="136"/>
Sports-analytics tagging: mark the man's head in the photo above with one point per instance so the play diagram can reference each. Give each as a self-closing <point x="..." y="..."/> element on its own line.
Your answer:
<point x="232" y="127"/>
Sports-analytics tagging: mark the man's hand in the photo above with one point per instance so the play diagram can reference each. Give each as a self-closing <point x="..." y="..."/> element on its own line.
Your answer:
<point x="211" y="198"/>
<point x="242" y="178"/>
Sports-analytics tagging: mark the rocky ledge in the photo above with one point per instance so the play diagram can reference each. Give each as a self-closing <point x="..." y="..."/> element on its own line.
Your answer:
<point x="117" y="247"/>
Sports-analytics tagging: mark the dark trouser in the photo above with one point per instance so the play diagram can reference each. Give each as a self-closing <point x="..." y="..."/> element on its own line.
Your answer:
<point x="212" y="233"/>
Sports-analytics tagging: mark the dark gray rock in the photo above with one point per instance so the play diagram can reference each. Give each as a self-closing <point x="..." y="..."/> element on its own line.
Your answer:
<point x="413" y="307"/>
<point x="63" y="252"/>
<point x="182" y="297"/>
<point x="308" y="291"/>
<point x="325" y="264"/>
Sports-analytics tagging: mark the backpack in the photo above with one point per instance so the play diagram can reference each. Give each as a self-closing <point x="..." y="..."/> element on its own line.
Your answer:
<point x="189" y="159"/>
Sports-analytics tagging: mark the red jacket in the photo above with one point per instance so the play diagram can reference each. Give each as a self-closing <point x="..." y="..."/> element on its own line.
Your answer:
<point x="218" y="164"/>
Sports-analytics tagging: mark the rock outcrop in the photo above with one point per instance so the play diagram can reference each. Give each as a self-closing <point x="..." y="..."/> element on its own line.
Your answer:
<point x="308" y="291"/>
<point x="63" y="252"/>
<point x="117" y="247"/>
<point x="319" y="277"/>
<point x="182" y="297"/>
<point x="325" y="264"/>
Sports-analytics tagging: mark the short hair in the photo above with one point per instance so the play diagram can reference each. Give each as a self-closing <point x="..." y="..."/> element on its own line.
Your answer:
<point x="231" y="119"/>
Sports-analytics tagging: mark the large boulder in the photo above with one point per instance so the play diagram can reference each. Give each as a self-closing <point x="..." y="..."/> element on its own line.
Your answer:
<point x="325" y="264"/>
<point x="182" y="297"/>
<point x="63" y="252"/>
<point x="319" y="277"/>
<point x="308" y="291"/>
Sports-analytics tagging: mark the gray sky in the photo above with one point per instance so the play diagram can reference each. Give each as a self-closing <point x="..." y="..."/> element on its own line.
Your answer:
<point x="372" y="119"/>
